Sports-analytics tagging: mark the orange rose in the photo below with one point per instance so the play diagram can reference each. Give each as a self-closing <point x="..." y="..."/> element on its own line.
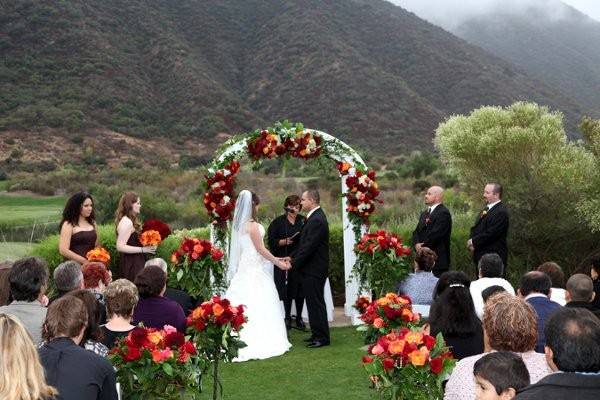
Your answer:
<point x="414" y="337"/>
<point x="378" y="323"/>
<point x="218" y="310"/>
<point x="396" y="347"/>
<point x="159" y="356"/>
<point x="155" y="337"/>
<point x="150" y="238"/>
<point x="417" y="358"/>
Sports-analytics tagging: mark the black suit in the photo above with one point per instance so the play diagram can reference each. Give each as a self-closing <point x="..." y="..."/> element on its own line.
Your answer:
<point x="312" y="261"/>
<point x="489" y="234"/>
<point x="433" y="230"/>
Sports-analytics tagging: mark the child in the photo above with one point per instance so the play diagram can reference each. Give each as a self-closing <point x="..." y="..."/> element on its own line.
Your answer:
<point x="499" y="376"/>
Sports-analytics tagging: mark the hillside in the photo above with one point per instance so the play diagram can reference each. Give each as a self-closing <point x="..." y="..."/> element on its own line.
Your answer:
<point x="364" y="70"/>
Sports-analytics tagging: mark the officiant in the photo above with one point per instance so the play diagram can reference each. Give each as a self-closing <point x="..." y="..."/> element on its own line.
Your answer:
<point x="283" y="237"/>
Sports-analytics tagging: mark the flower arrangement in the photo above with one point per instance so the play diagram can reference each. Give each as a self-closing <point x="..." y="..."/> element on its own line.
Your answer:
<point x="218" y="198"/>
<point x="198" y="266"/>
<point x="99" y="254"/>
<point x="150" y="238"/>
<point x="408" y="364"/>
<point x="381" y="261"/>
<point x="363" y="191"/>
<point x="157" y="225"/>
<point x="284" y="140"/>
<point x="215" y="326"/>
<point x="157" y="364"/>
<point x="385" y="314"/>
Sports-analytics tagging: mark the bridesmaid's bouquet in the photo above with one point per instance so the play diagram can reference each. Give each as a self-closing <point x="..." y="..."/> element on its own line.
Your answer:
<point x="150" y="238"/>
<point x="98" y="254"/>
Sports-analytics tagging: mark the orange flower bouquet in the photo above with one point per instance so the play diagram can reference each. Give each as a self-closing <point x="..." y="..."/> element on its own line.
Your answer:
<point x="388" y="313"/>
<point x="99" y="254"/>
<point x="408" y="364"/>
<point x="150" y="238"/>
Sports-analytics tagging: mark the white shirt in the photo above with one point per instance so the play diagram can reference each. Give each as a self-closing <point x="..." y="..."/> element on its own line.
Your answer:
<point x="489" y="206"/>
<point x="558" y="295"/>
<point x="480" y="285"/>
<point x="432" y="207"/>
<point x="312" y="211"/>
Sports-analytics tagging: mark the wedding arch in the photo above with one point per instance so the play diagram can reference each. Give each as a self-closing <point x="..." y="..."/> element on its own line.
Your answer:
<point x="285" y="139"/>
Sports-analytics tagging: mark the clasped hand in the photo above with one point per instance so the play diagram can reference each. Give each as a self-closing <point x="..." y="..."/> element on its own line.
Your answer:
<point x="284" y="263"/>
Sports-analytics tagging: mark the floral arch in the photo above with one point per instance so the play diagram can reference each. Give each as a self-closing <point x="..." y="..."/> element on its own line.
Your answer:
<point x="284" y="139"/>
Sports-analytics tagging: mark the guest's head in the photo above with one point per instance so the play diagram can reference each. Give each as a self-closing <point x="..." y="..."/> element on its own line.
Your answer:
<point x="96" y="276"/>
<point x="151" y="282"/>
<point x="535" y="282"/>
<point x="490" y="291"/>
<point x="595" y="268"/>
<point x="509" y="324"/>
<point x="452" y="311"/>
<point x="555" y="272"/>
<point x="5" y="268"/>
<point x="66" y="317"/>
<point x="499" y="376"/>
<point x="492" y="192"/>
<point x="310" y="200"/>
<point x="434" y="195"/>
<point x="79" y="205"/>
<point x="490" y="266"/>
<point x="28" y="279"/>
<point x="572" y="337"/>
<point x="425" y="259"/>
<point x="129" y="206"/>
<point x="121" y="297"/>
<point x="68" y="277"/>
<point x="455" y="278"/>
<point x="94" y="313"/>
<point x="580" y="287"/>
<point x="157" y="262"/>
<point x="292" y="204"/>
<point x="21" y="373"/>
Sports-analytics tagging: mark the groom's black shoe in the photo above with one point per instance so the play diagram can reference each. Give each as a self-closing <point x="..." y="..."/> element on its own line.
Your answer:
<point x="317" y="344"/>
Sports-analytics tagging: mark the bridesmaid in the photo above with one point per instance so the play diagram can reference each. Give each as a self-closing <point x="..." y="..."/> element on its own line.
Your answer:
<point x="132" y="252"/>
<point x="78" y="228"/>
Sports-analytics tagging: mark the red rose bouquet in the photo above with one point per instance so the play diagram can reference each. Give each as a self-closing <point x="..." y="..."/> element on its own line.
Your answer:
<point x="381" y="261"/>
<point x="385" y="314"/>
<point x="215" y="325"/>
<point x="408" y="364"/>
<point x="198" y="268"/>
<point x="157" y="364"/>
<point x="157" y="225"/>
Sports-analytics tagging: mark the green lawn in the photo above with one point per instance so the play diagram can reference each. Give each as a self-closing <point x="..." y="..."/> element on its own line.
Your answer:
<point x="20" y="210"/>
<point x="333" y="373"/>
<point x="14" y="250"/>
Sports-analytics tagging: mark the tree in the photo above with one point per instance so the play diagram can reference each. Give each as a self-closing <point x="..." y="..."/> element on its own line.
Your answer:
<point x="548" y="181"/>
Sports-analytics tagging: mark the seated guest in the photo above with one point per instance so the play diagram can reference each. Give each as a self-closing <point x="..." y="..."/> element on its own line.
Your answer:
<point x="489" y="292"/>
<point x="92" y="337"/>
<point x="5" y="267"/>
<point x="419" y="285"/>
<point x="153" y="309"/>
<point x="453" y="315"/>
<point x="595" y="275"/>
<point x="580" y="293"/>
<point x="509" y="324"/>
<point x="572" y="337"/>
<point x="77" y="373"/>
<point x="499" y="376"/>
<point x="557" y="276"/>
<point x="67" y="277"/>
<point x="28" y="280"/>
<point x="491" y="269"/>
<point x="535" y="288"/>
<point x="121" y="296"/>
<point x="21" y="374"/>
<point x="182" y="298"/>
<point x="95" y="278"/>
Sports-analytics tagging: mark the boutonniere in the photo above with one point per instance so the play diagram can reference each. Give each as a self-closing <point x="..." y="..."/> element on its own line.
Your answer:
<point x="427" y="220"/>
<point x="484" y="213"/>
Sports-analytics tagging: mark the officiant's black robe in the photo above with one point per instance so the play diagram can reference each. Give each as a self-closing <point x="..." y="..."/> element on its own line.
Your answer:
<point x="281" y="228"/>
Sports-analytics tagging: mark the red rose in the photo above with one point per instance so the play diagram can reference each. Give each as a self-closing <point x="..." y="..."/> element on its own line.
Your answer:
<point x="388" y="364"/>
<point x="429" y="341"/>
<point x="189" y="348"/>
<point x="132" y="354"/>
<point x="367" y="360"/>
<point x="174" y="339"/>
<point x="217" y="254"/>
<point x="436" y="365"/>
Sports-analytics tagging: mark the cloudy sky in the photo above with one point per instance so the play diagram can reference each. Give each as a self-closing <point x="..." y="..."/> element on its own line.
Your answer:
<point x="449" y="13"/>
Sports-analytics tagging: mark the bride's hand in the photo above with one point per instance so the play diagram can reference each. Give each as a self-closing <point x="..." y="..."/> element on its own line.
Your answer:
<point x="281" y="264"/>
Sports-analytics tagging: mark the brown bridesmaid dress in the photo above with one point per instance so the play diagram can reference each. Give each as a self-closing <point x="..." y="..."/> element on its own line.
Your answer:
<point x="131" y="264"/>
<point x="82" y="242"/>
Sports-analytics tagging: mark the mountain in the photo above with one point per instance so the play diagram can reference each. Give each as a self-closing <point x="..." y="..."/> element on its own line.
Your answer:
<point x="560" y="48"/>
<point x="366" y="71"/>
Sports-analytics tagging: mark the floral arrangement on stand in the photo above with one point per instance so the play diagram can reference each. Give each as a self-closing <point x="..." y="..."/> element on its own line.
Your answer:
<point x="215" y="327"/>
<point x="157" y="225"/>
<point x="406" y="364"/>
<point x="381" y="261"/>
<point x="362" y="193"/>
<point x="198" y="268"/>
<point x="157" y="364"/>
<point x="385" y="314"/>
<point x="98" y="254"/>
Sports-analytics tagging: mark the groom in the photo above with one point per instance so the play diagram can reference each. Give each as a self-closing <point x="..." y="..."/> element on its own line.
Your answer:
<point x="312" y="261"/>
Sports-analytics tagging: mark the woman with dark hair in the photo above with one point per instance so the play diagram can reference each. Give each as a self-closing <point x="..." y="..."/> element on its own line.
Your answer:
<point x="92" y="336"/>
<point x="78" y="228"/>
<point x="453" y="315"/>
<point x="153" y="309"/>
<point x="132" y="258"/>
<point x="419" y="286"/>
<point x="557" y="276"/>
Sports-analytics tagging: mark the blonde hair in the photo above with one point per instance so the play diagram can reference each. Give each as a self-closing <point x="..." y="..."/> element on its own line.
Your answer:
<point x="21" y="373"/>
<point x="510" y="323"/>
<point x="121" y="297"/>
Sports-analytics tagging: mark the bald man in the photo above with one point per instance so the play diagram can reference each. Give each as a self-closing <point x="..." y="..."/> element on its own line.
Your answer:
<point x="580" y="293"/>
<point x="434" y="228"/>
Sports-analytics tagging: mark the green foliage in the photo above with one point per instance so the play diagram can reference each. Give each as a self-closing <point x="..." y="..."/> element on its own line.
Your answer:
<point x="545" y="178"/>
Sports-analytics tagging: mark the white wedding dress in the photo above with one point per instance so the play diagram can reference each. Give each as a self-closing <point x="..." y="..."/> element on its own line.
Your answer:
<point x="252" y="285"/>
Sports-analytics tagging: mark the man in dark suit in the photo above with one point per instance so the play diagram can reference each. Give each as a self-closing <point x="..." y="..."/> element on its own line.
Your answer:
<point x="312" y="261"/>
<point x="433" y="229"/>
<point x="489" y="233"/>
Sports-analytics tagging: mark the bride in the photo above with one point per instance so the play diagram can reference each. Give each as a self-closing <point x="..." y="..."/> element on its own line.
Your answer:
<point x="252" y="285"/>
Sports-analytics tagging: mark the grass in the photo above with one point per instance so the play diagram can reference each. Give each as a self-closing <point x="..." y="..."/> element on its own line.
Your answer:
<point x="333" y="373"/>
<point x="21" y="210"/>
<point x="14" y="250"/>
